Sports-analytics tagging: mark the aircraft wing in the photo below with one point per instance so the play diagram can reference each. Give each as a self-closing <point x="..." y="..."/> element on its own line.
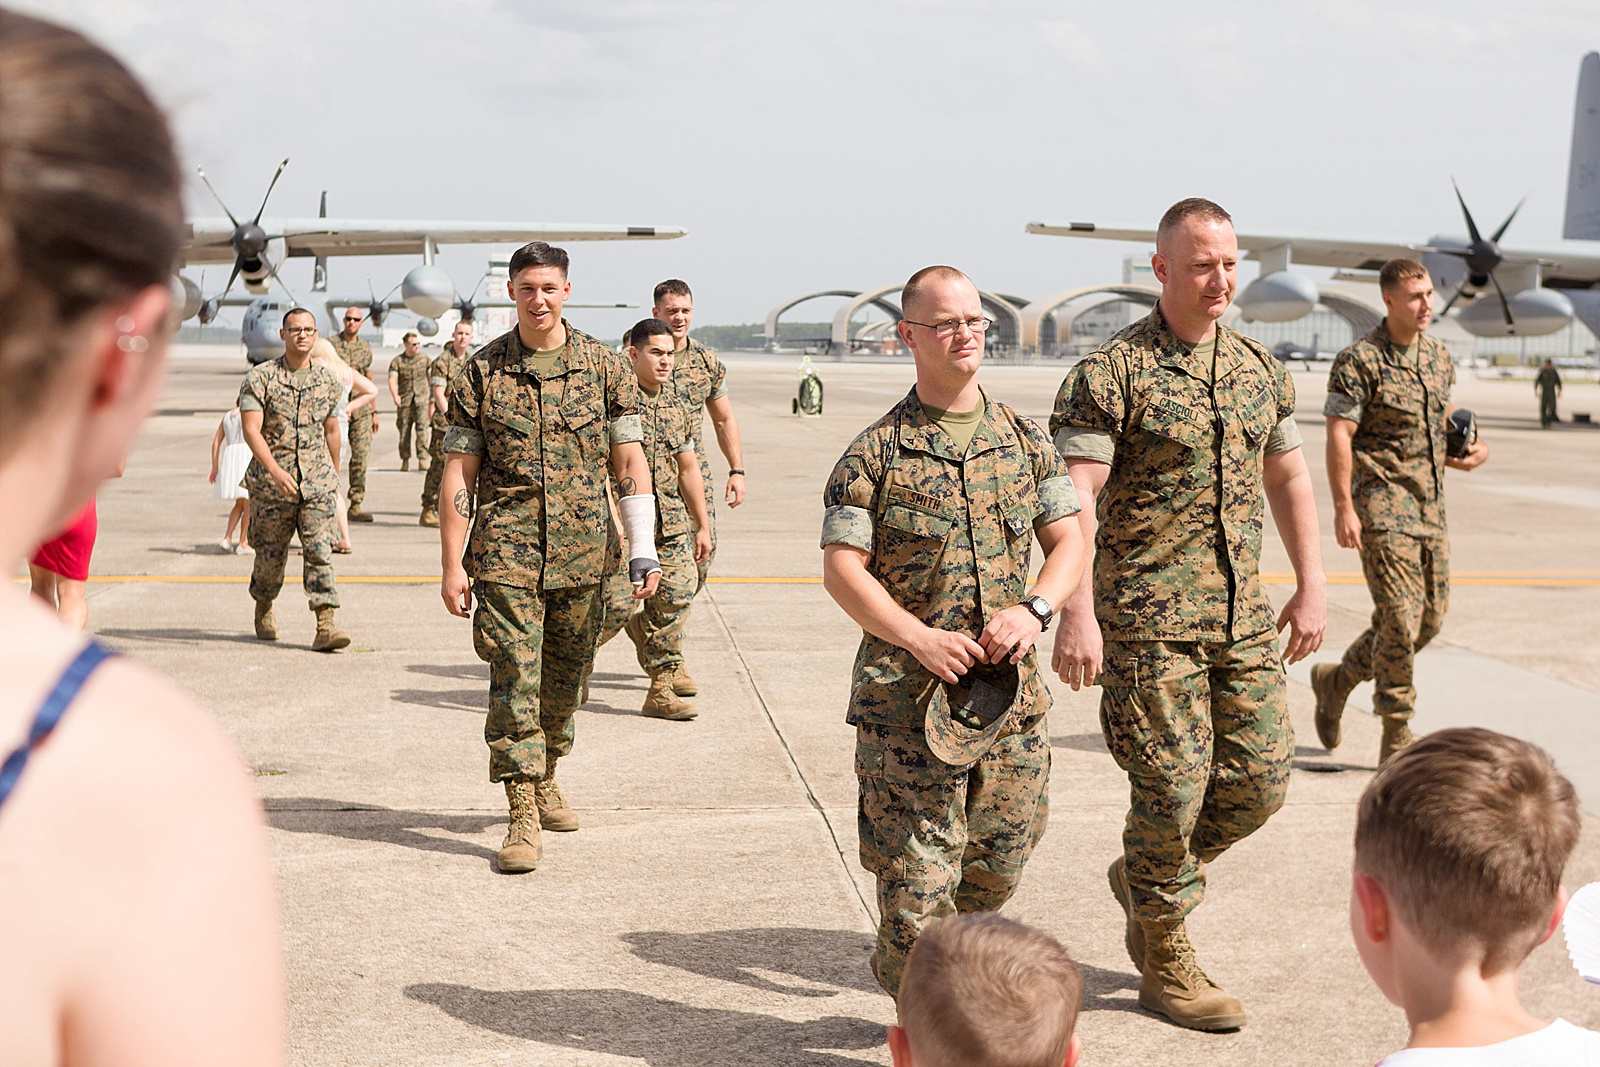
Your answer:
<point x="1565" y="264"/>
<point x="209" y="237"/>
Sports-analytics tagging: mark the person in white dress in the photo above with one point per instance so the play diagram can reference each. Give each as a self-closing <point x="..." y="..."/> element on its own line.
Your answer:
<point x="364" y="393"/>
<point x="229" y="457"/>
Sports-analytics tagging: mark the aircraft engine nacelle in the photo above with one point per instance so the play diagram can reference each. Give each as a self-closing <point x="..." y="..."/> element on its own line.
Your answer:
<point x="428" y="291"/>
<point x="256" y="271"/>
<point x="428" y="327"/>
<point x="186" y="297"/>
<point x="1536" y="311"/>
<point x="1448" y="272"/>
<point x="1281" y="296"/>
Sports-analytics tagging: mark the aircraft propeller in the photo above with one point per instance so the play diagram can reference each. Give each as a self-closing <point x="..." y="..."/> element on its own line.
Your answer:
<point x="249" y="240"/>
<point x="1481" y="257"/>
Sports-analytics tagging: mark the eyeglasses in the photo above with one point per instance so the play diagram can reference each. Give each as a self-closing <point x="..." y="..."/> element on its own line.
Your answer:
<point x="949" y="327"/>
<point x="299" y="329"/>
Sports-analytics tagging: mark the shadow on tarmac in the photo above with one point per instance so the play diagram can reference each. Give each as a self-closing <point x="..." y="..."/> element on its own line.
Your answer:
<point x="815" y="957"/>
<point x="181" y="635"/>
<point x="1081" y="742"/>
<point x="366" y="822"/>
<point x="473" y="700"/>
<point x="659" y="1032"/>
<point x="478" y="671"/>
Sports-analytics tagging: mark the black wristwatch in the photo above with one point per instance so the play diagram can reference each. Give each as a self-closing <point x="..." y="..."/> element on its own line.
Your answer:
<point x="1041" y="610"/>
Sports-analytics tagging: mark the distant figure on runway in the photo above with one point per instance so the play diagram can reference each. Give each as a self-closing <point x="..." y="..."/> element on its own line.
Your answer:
<point x="1548" y="386"/>
<point x="1387" y="411"/>
<point x="408" y="388"/>
<point x="358" y="354"/>
<point x="440" y="372"/>
<point x="536" y="416"/>
<point x="291" y="420"/>
<point x="929" y="524"/>
<point x="683" y="530"/>
<point x="1174" y="431"/>
<point x="699" y="381"/>
<point x="137" y="921"/>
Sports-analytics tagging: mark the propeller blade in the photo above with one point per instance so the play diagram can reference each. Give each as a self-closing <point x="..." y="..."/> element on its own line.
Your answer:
<point x="232" y="277"/>
<point x="278" y="278"/>
<point x="270" y="185"/>
<point x="1505" y="305"/>
<point x="1448" y="304"/>
<point x="1472" y="227"/>
<point x="1498" y="233"/>
<point x="202" y="172"/>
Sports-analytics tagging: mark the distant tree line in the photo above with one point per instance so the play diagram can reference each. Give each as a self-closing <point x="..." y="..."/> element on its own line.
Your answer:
<point x="753" y="335"/>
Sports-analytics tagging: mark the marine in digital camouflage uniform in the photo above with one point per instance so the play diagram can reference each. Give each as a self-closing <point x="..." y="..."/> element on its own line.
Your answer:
<point x="441" y="370"/>
<point x="682" y="528"/>
<point x="1174" y="442"/>
<point x="531" y="432"/>
<point x="356" y="352"/>
<point x="700" y="382"/>
<point x="938" y="508"/>
<point x="291" y="413"/>
<point x="408" y="388"/>
<point x="1387" y="410"/>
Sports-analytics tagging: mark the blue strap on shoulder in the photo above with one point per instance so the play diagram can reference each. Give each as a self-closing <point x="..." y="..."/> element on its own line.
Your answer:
<point x="49" y="714"/>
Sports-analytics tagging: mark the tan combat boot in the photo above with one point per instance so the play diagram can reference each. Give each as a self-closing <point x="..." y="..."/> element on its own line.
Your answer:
<point x="1331" y="691"/>
<point x="266" y="621"/>
<point x="430" y="517"/>
<point x="662" y="703"/>
<point x="329" y="637"/>
<point x="519" y="853"/>
<point x="634" y="628"/>
<point x="1133" y="939"/>
<point x="1173" y="984"/>
<point x="1396" y="735"/>
<point x="355" y="514"/>
<point x="682" y="683"/>
<point x="554" y="812"/>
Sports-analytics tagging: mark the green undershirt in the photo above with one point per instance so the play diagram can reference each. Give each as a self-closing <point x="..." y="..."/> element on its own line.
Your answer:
<point x="544" y="359"/>
<point x="959" y="426"/>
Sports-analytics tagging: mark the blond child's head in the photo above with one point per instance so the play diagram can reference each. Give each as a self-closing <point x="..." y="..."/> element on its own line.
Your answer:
<point x="982" y="991"/>
<point x="1463" y="837"/>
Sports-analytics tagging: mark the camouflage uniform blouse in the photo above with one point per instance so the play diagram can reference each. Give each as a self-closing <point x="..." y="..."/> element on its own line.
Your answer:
<point x="1178" y="552"/>
<point x="293" y="418"/>
<point x="664" y="425"/>
<point x="441" y="372"/>
<point x="1398" y="452"/>
<point x="411" y="376"/>
<point x="697" y="376"/>
<point x="949" y="538"/>
<point x="355" y="352"/>
<point x="545" y="445"/>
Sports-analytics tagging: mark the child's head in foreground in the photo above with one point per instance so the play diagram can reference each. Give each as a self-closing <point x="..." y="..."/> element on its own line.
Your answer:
<point x="1461" y="839"/>
<point x="982" y="991"/>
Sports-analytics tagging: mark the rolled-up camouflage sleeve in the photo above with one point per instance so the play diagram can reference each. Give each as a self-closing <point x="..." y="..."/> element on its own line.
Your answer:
<point x="1087" y="418"/>
<point x="719" y="378"/>
<point x="848" y="499"/>
<point x="1285" y="437"/>
<point x="1058" y="497"/>
<point x="464" y="429"/>
<point x="622" y="401"/>
<point x="248" y="400"/>
<point x="1347" y="390"/>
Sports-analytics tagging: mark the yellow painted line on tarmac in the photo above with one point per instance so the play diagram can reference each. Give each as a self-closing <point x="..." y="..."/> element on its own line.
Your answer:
<point x="1539" y="579"/>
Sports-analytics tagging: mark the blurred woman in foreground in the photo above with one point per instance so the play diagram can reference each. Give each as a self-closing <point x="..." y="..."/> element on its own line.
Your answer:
<point x="137" y="920"/>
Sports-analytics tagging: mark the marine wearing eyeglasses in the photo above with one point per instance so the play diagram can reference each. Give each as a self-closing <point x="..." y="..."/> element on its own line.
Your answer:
<point x="290" y="411"/>
<point x="930" y="521"/>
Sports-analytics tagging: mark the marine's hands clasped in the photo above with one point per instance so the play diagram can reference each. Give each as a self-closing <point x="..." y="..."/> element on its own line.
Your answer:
<point x="949" y="655"/>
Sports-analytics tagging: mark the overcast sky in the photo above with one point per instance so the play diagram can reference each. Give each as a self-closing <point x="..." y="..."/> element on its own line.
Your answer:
<point x="810" y="144"/>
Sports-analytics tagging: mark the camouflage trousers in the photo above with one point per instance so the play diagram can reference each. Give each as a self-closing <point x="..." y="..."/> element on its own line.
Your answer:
<point x="411" y="419"/>
<point x="1202" y="730"/>
<point x="360" y="455"/>
<point x="430" y="484"/>
<point x="665" y="614"/>
<point x="272" y="525"/>
<point x="703" y="569"/>
<point x="1409" y="579"/>
<point x="539" y="645"/>
<point x="942" y="839"/>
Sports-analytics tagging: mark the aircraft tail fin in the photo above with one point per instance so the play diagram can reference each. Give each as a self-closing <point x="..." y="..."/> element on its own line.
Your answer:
<point x="1583" y="179"/>
<point x="319" y="273"/>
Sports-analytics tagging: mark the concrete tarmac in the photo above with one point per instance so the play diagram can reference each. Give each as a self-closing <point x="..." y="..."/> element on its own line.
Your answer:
<point x="711" y="911"/>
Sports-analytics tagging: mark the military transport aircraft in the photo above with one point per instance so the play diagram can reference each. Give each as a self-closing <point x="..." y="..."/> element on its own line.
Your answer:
<point x="1535" y="290"/>
<point x="257" y="248"/>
